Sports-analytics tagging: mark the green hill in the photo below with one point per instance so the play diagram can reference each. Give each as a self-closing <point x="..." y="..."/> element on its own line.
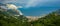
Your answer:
<point x="52" y="19"/>
<point x="7" y="20"/>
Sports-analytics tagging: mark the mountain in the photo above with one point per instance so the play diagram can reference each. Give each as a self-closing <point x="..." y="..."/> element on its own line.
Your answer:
<point x="52" y="19"/>
<point x="58" y="12"/>
<point x="9" y="11"/>
<point x="8" y="18"/>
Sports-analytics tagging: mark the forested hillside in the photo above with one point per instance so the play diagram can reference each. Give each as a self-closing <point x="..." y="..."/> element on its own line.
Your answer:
<point x="52" y="19"/>
<point x="7" y="18"/>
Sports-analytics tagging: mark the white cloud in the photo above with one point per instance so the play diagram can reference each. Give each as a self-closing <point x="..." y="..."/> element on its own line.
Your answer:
<point x="33" y="3"/>
<point x="15" y="1"/>
<point x="30" y="3"/>
<point x="11" y="6"/>
<point x="20" y="7"/>
<point x="15" y="8"/>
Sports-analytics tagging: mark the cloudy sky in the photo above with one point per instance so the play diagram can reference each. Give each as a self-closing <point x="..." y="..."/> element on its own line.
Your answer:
<point x="35" y="7"/>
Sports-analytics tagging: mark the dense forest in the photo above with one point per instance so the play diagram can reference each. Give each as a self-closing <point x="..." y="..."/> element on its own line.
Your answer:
<point x="9" y="19"/>
<point x="52" y="19"/>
